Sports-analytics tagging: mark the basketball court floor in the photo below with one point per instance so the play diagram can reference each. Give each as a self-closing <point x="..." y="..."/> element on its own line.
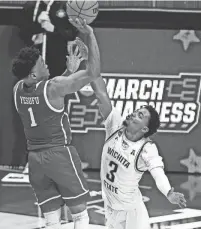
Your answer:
<point x="18" y="209"/>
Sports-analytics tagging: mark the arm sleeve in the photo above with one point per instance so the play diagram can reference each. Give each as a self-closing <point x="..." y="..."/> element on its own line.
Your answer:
<point x="161" y="180"/>
<point x="113" y="122"/>
<point x="153" y="162"/>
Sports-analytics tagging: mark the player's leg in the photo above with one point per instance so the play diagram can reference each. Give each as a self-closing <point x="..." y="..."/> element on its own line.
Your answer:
<point x="71" y="183"/>
<point x="80" y="215"/>
<point x="115" y="219"/>
<point x="48" y="197"/>
<point x="138" y="218"/>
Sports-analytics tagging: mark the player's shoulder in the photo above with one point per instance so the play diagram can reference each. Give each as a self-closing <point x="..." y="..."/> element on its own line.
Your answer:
<point x="150" y="146"/>
<point x="53" y="85"/>
<point x="16" y="86"/>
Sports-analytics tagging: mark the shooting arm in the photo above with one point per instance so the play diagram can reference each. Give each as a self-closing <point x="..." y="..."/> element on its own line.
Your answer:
<point x="100" y="90"/>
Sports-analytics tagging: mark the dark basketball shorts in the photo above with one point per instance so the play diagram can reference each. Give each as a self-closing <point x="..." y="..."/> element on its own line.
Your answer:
<point x="56" y="177"/>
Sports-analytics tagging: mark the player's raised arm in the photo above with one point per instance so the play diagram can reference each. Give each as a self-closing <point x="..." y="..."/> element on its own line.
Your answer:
<point x="100" y="90"/>
<point x="62" y="85"/>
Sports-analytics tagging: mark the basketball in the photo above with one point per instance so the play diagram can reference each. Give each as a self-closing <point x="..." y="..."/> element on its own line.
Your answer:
<point x="82" y="9"/>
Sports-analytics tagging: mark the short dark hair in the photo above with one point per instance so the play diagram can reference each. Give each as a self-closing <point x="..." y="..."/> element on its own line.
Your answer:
<point x="24" y="61"/>
<point x="154" y="122"/>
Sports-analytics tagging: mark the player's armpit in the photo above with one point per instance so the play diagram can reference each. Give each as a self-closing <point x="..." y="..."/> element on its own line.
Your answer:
<point x="61" y="85"/>
<point x="100" y="90"/>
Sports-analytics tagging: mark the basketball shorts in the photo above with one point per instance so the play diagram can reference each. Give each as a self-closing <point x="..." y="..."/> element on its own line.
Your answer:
<point x="127" y="219"/>
<point x="56" y="177"/>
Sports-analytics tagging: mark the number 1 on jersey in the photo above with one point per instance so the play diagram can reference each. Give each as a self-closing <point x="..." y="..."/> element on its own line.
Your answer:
<point x="33" y="122"/>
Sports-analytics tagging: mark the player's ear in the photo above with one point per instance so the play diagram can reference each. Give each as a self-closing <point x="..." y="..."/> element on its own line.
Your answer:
<point x="145" y="129"/>
<point x="33" y="76"/>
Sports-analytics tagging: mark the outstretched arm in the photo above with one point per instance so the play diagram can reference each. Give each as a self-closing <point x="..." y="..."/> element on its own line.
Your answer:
<point x="100" y="90"/>
<point x="163" y="185"/>
<point x="62" y="85"/>
<point x="154" y="164"/>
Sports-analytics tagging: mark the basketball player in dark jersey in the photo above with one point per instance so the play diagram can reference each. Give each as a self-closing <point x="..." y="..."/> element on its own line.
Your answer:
<point x="54" y="167"/>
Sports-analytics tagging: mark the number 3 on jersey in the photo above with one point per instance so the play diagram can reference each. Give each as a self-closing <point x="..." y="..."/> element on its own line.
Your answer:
<point x="111" y="176"/>
<point x="33" y="122"/>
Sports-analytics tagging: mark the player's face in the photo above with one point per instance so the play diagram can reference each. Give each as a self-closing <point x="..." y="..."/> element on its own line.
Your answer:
<point x="138" y="121"/>
<point x="41" y="70"/>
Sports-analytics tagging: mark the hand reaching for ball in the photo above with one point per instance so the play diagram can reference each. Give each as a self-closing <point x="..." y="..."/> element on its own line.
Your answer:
<point x="77" y="55"/>
<point x="81" y="25"/>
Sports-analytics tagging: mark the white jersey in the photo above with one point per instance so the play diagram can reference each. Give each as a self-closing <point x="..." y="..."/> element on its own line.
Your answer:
<point x="123" y="163"/>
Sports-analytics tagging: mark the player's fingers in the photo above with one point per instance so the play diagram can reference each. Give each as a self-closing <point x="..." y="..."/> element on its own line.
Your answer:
<point x="81" y="59"/>
<point x="79" y="55"/>
<point x="180" y="205"/>
<point x="183" y="199"/>
<point x="84" y="23"/>
<point x="72" y="22"/>
<point x="70" y="49"/>
<point x="181" y="196"/>
<point x="69" y="46"/>
<point x="183" y="204"/>
<point x="76" y="50"/>
<point x="79" y="23"/>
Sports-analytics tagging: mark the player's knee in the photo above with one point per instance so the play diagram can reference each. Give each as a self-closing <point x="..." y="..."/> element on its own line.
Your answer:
<point x="81" y="219"/>
<point x="52" y="219"/>
<point x="78" y="208"/>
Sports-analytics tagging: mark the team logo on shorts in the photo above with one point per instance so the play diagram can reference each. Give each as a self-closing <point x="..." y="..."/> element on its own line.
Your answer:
<point x="175" y="97"/>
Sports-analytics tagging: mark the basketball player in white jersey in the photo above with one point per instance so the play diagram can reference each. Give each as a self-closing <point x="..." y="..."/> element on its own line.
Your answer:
<point x="127" y="154"/>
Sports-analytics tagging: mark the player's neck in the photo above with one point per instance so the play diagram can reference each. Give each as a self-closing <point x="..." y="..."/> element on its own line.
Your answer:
<point x="133" y="137"/>
<point x="29" y="83"/>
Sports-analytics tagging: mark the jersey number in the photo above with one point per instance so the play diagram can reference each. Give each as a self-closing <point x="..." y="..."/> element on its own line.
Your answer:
<point x="110" y="176"/>
<point x="33" y="122"/>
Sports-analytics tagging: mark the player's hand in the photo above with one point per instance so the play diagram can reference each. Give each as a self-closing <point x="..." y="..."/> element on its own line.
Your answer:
<point x="176" y="198"/>
<point x="82" y="48"/>
<point x="43" y="17"/>
<point x="48" y="26"/>
<point x="37" y="38"/>
<point x="81" y="26"/>
<point x="77" y="55"/>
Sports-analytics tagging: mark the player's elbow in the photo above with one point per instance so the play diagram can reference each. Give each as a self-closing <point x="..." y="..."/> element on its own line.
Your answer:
<point x="93" y="73"/>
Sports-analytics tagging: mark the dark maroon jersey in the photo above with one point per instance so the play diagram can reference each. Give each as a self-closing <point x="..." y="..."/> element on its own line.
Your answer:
<point x="44" y="125"/>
